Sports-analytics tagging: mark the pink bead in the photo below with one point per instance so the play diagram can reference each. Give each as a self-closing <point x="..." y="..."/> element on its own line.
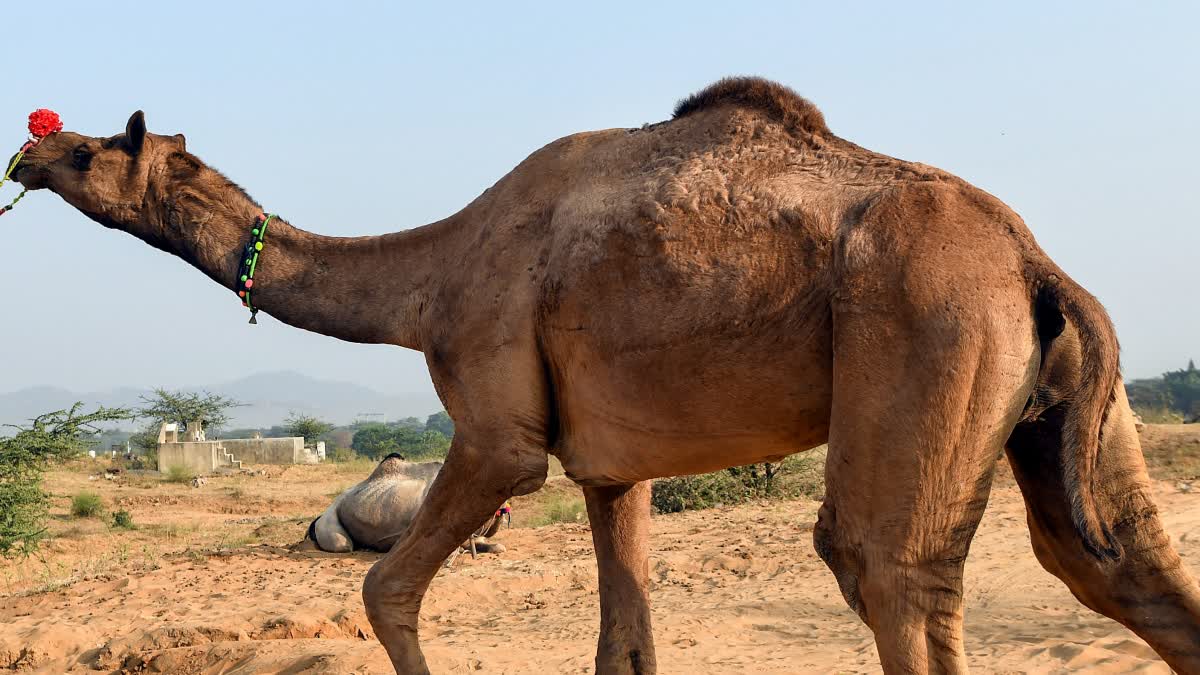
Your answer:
<point x="249" y="283"/>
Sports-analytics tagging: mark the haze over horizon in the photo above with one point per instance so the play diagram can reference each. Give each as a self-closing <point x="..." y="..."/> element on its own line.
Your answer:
<point x="372" y="118"/>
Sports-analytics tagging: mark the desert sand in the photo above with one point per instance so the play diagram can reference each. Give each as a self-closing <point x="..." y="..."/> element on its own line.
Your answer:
<point x="735" y="590"/>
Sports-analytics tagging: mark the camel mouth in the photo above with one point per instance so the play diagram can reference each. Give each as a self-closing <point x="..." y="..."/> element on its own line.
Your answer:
<point x="16" y="170"/>
<point x="26" y="175"/>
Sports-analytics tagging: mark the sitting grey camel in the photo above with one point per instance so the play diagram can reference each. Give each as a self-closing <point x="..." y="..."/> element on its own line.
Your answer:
<point x="376" y="513"/>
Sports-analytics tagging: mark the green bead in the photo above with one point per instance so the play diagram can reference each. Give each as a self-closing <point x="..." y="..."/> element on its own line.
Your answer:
<point x="248" y="261"/>
<point x="258" y="246"/>
<point x="244" y="277"/>
<point x="254" y="232"/>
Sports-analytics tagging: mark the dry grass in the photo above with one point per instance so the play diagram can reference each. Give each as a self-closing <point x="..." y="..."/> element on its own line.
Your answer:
<point x="179" y="474"/>
<point x="1172" y="451"/>
<point x="558" y="508"/>
<point x="361" y="465"/>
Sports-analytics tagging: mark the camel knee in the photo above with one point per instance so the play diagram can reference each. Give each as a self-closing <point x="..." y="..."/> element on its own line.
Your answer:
<point x="391" y="600"/>
<point x="528" y="482"/>
<point x="515" y="468"/>
<point x="841" y="559"/>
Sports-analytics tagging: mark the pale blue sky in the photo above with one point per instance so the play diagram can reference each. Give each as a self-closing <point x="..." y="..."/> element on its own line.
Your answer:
<point x="1081" y="116"/>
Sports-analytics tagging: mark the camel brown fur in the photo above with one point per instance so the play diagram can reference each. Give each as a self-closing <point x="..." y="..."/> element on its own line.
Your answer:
<point x="732" y="286"/>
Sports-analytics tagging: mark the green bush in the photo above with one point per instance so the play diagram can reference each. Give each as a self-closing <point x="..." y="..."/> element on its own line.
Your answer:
<point x="177" y="473"/>
<point x="123" y="520"/>
<point x="24" y="457"/>
<point x="800" y="475"/>
<point x="87" y="505"/>
<point x="343" y="455"/>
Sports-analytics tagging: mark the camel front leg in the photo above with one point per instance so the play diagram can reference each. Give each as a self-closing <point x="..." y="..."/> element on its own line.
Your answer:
<point x="1148" y="589"/>
<point x="468" y="490"/>
<point x="620" y="519"/>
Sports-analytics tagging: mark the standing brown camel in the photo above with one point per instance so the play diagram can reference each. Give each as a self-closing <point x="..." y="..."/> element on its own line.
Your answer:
<point x="732" y="286"/>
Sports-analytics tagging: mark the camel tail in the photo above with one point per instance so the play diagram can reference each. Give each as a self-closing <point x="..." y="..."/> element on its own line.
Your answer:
<point x="1058" y="298"/>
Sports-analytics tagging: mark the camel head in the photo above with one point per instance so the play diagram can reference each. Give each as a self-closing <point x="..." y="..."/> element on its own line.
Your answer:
<point x="109" y="179"/>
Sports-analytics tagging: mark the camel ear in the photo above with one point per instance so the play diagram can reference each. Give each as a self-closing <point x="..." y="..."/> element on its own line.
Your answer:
<point x="135" y="132"/>
<point x="182" y="141"/>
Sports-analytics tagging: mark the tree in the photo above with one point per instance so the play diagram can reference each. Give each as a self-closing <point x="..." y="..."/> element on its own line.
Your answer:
<point x="1183" y="386"/>
<point x="341" y="438"/>
<point x="379" y="440"/>
<point x="25" y="456"/>
<point x="440" y="422"/>
<point x="410" y="422"/>
<point x="368" y="440"/>
<point x="183" y="408"/>
<point x="306" y="426"/>
<point x="434" y="445"/>
<point x="404" y="440"/>
<point x="1149" y="397"/>
<point x="145" y="440"/>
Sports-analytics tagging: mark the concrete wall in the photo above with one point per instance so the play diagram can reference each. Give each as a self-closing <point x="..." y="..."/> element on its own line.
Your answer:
<point x="267" y="450"/>
<point x="198" y="458"/>
<point x="206" y="456"/>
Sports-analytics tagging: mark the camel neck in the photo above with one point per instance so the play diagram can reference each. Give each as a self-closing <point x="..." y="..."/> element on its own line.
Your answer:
<point x="359" y="289"/>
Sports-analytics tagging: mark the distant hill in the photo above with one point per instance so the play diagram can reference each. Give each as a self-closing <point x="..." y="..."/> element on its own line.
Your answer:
<point x="269" y="398"/>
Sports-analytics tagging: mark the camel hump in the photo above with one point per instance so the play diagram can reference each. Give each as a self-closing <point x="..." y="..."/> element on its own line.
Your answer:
<point x="1099" y="375"/>
<point x="775" y="100"/>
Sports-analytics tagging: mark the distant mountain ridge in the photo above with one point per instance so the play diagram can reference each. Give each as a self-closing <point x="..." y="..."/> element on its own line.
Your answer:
<point x="269" y="397"/>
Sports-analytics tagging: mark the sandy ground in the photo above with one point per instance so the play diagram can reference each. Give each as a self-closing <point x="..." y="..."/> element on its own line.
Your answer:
<point x="736" y="590"/>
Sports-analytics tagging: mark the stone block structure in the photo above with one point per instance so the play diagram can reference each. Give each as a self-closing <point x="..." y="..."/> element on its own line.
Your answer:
<point x="201" y="456"/>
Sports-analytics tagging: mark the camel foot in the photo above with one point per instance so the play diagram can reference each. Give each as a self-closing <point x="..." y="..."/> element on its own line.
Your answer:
<point x="625" y="662"/>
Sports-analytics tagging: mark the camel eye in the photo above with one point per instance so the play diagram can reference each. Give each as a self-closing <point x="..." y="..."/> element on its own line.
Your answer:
<point x="81" y="159"/>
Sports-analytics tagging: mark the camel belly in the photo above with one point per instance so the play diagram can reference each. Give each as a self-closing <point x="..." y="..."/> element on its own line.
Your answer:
<point x="690" y="408"/>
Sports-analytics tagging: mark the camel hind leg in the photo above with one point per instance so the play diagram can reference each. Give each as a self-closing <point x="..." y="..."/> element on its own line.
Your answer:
<point x="927" y="385"/>
<point x="1148" y="589"/>
<point x="909" y="471"/>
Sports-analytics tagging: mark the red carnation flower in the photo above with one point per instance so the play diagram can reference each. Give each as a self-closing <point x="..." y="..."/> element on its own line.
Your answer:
<point x="44" y="122"/>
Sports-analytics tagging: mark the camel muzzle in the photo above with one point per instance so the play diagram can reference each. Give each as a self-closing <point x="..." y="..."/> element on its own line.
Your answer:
<point x="16" y="170"/>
